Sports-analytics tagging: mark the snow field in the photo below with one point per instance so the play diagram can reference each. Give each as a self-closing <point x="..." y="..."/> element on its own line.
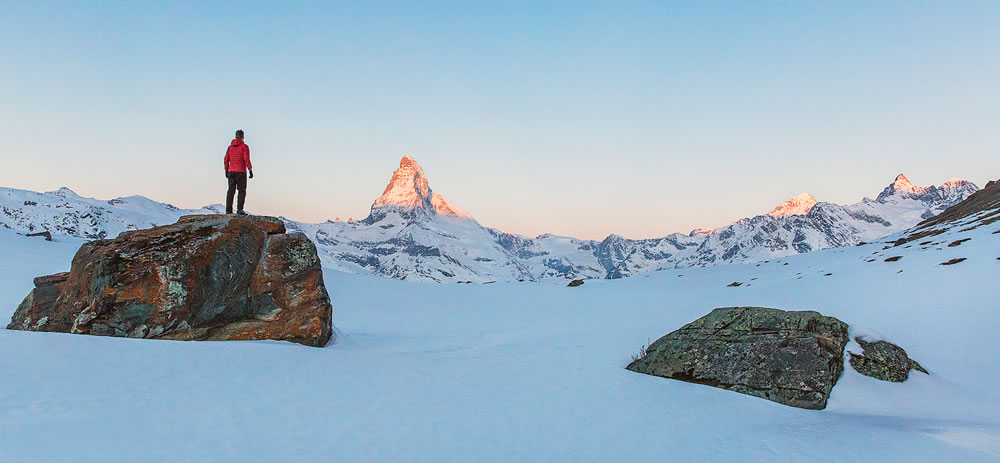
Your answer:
<point x="518" y="371"/>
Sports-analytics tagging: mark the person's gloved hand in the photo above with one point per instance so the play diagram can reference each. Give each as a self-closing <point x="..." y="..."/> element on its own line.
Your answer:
<point x="227" y="174"/>
<point x="251" y="174"/>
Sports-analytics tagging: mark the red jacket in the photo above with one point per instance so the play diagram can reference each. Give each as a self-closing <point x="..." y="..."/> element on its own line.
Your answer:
<point x="237" y="157"/>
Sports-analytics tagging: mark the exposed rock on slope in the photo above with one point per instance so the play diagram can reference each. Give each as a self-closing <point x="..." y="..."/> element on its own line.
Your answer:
<point x="206" y="277"/>
<point x="44" y="234"/>
<point x="884" y="360"/>
<point x="793" y="358"/>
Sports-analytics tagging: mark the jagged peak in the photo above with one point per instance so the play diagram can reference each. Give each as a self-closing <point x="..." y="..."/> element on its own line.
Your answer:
<point x="408" y="160"/>
<point x="901" y="187"/>
<point x="614" y="238"/>
<point x="798" y="205"/>
<point x="901" y="183"/>
<point x="407" y="187"/>
<point x="409" y="190"/>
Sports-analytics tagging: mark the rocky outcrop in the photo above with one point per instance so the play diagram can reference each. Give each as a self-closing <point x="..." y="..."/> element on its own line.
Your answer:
<point x="884" y="360"/>
<point x="206" y="277"/>
<point x="793" y="358"/>
<point x="44" y="234"/>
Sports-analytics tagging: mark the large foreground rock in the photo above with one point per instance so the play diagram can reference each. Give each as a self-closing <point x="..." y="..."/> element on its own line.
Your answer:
<point x="793" y="358"/>
<point x="206" y="277"/>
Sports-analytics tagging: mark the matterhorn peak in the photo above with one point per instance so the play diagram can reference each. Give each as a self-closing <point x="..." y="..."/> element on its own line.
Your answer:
<point x="799" y="205"/>
<point x="409" y="194"/>
<point x="408" y="186"/>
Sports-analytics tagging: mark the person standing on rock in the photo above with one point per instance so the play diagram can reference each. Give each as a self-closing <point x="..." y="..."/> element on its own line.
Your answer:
<point x="237" y="163"/>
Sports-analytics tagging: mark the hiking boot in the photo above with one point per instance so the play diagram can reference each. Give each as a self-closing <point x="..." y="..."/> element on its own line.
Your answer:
<point x="241" y="213"/>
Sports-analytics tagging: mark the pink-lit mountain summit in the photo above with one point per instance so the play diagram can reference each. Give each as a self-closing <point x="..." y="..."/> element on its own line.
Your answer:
<point x="798" y="205"/>
<point x="408" y="193"/>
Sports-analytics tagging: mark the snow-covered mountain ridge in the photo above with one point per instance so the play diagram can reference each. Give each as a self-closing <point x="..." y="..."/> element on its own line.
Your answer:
<point x="63" y="212"/>
<point x="413" y="233"/>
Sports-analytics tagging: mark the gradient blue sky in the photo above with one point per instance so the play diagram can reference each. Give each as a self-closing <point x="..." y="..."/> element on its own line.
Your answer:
<point x="574" y="118"/>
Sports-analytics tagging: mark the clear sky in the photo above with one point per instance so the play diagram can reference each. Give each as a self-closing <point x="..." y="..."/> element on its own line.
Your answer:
<point x="574" y="118"/>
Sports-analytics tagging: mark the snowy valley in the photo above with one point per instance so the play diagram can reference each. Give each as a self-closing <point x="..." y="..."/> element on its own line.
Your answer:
<point x="525" y="371"/>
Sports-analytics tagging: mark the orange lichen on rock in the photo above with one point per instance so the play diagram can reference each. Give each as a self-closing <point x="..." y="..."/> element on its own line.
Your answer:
<point x="206" y="277"/>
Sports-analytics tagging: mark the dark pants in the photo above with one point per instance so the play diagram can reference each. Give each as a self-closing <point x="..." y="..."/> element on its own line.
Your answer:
<point x="237" y="181"/>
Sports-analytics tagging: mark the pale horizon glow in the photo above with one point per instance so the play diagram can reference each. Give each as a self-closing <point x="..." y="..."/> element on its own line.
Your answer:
<point x="570" y="118"/>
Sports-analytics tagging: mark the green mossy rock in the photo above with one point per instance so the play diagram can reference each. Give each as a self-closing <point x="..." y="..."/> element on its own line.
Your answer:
<point x="790" y="357"/>
<point x="884" y="360"/>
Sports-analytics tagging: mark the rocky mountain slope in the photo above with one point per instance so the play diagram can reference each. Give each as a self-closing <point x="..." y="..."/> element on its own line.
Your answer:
<point x="413" y="233"/>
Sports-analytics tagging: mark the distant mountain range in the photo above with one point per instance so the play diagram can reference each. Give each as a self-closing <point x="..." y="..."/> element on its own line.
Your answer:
<point x="413" y="233"/>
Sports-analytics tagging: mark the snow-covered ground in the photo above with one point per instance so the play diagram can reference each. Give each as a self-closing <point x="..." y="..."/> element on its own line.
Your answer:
<point x="518" y="371"/>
